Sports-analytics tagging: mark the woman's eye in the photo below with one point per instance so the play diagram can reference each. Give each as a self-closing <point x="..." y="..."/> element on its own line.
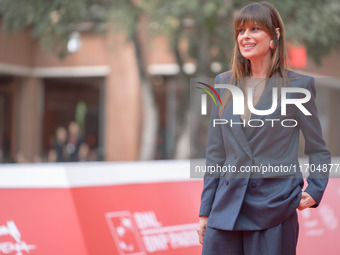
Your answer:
<point x="240" y="30"/>
<point x="255" y="28"/>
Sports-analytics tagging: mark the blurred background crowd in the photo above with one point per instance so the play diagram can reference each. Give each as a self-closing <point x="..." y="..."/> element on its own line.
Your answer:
<point x="68" y="145"/>
<point x="88" y="80"/>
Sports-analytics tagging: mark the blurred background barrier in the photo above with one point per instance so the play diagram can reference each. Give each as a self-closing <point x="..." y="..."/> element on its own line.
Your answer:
<point x="148" y="207"/>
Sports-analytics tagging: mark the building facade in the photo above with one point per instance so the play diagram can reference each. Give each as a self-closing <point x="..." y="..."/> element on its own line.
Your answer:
<point x="40" y="92"/>
<point x="99" y="87"/>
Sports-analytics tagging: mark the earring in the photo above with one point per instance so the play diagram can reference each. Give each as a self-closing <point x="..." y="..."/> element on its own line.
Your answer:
<point x="271" y="44"/>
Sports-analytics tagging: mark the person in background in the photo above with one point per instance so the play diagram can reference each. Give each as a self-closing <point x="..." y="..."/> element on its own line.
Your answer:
<point x="52" y="156"/>
<point x="59" y="146"/>
<point x="20" y="158"/>
<point x="74" y="141"/>
<point x="84" y="152"/>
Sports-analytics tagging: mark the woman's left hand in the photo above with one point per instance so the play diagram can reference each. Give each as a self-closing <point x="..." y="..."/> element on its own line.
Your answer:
<point x="306" y="201"/>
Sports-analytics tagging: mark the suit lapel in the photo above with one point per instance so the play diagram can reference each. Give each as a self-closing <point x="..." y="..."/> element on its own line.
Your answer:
<point x="266" y="100"/>
<point x="235" y="124"/>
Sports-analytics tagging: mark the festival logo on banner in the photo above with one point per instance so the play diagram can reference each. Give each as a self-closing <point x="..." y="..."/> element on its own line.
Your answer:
<point x="10" y="240"/>
<point x="141" y="233"/>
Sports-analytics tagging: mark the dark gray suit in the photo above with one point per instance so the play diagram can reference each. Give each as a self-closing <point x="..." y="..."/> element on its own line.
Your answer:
<point x="244" y="201"/>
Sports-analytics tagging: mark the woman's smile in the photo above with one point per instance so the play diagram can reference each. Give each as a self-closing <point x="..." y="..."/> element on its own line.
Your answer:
<point x="253" y="42"/>
<point x="249" y="46"/>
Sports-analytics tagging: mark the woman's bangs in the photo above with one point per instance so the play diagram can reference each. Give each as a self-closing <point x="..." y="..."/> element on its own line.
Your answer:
<point x="252" y="16"/>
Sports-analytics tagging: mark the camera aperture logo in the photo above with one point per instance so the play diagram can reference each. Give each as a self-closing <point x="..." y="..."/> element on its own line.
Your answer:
<point x="204" y="97"/>
<point x="238" y="103"/>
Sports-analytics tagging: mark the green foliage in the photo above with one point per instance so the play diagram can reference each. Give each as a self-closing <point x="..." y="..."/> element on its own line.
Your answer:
<point x="313" y="23"/>
<point x="50" y="21"/>
<point x="190" y="20"/>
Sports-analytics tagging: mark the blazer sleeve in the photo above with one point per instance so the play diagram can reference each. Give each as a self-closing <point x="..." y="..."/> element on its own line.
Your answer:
<point x="215" y="155"/>
<point x="319" y="157"/>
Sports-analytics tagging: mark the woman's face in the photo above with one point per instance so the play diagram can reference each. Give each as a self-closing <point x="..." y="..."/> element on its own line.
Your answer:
<point x="253" y="42"/>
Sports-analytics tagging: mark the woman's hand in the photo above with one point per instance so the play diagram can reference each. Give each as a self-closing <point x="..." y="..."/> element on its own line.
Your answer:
<point x="306" y="201"/>
<point x="201" y="227"/>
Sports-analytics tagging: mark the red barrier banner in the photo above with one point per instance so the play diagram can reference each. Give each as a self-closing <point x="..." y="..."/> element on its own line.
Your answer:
<point x="155" y="218"/>
<point x="320" y="227"/>
<point x="39" y="221"/>
<point x="91" y="210"/>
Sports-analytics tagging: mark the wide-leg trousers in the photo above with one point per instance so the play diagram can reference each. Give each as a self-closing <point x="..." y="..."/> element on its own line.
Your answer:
<point x="278" y="240"/>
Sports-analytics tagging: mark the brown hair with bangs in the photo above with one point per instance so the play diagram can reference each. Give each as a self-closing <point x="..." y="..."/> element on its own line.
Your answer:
<point x="268" y="18"/>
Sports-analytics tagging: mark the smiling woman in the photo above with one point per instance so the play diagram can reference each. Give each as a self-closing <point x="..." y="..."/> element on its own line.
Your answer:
<point x="254" y="213"/>
<point x="253" y="41"/>
<point x="256" y="28"/>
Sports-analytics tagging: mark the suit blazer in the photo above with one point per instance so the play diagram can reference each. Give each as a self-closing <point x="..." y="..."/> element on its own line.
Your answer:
<point x="243" y="200"/>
